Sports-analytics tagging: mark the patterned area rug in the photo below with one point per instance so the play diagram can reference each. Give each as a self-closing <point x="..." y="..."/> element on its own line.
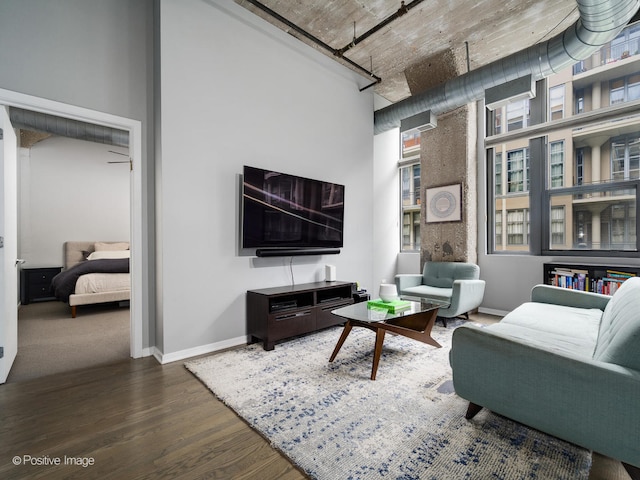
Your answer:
<point x="333" y="422"/>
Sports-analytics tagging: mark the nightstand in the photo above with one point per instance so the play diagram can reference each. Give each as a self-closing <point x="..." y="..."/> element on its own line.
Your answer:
<point x="35" y="284"/>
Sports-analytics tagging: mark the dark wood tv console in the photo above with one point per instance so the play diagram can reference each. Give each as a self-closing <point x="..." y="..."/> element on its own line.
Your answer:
<point x="278" y="313"/>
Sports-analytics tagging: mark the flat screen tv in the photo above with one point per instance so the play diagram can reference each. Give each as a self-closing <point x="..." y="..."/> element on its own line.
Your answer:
<point x="280" y="210"/>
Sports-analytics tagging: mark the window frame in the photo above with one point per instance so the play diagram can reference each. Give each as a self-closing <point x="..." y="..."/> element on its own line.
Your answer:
<point x="562" y="164"/>
<point x="562" y="102"/>
<point x="586" y="190"/>
<point x="540" y="193"/>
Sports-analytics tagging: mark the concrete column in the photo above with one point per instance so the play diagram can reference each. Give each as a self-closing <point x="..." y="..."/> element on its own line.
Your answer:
<point x="448" y="157"/>
<point x="595" y="230"/>
<point x="596" y="96"/>
<point x="595" y="163"/>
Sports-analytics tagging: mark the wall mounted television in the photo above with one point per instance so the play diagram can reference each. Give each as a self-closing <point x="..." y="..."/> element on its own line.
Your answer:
<point x="287" y="212"/>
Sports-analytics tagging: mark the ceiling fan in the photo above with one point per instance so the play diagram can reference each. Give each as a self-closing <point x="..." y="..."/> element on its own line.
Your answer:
<point x="129" y="160"/>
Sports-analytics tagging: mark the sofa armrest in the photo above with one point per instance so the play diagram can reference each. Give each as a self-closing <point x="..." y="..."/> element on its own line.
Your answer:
<point x="407" y="280"/>
<point x="569" y="298"/>
<point x="466" y="295"/>
<point x="589" y="403"/>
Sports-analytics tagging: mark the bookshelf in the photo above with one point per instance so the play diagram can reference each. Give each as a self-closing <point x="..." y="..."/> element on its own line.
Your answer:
<point x="604" y="279"/>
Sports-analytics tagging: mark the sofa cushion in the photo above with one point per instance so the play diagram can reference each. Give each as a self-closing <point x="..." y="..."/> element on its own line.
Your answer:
<point x="429" y="292"/>
<point x="568" y="330"/>
<point x="619" y="336"/>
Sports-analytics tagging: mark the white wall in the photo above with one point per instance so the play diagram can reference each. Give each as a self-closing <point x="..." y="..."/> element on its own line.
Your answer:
<point x="69" y="191"/>
<point x="237" y="91"/>
<point x="386" y="207"/>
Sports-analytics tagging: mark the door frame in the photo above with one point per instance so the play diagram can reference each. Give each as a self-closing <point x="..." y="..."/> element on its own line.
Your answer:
<point x="9" y="229"/>
<point x="134" y="127"/>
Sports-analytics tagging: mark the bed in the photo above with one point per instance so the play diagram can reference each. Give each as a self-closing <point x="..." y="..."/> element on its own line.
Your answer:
<point x="94" y="272"/>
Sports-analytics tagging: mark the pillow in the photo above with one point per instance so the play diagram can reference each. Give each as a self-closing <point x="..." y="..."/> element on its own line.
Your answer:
<point x="109" y="254"/>
<point x="102" y="246"/>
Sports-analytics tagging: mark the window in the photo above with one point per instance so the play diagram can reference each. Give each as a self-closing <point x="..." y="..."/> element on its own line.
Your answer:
<point x="556" y="167"/>
<point x="410" y="191"/>
<point x="603" y="218"/>
<point x="623" y="226"/>
<point x="626" y="43"/>
<point x="498" y="230"/>
<point x="497" y="121"/>
<point x="410" y="140"/>
<point x="625" y="157"/>
<point x="410" y="178"/>
<point x="568" y="188"/>
<point x="517" y="171"/>
<point x="556" y="102"/>
<point x="411" y="231"/>
<point x="410" y="202"/>
<point x="579" y="166"/>
<point x="517" y="115"/>
<point x="625" y="89"/>
<point x="518" y="227"/>
<point x="557" y="225"/>
<point x="579" y="100"/>
<point x="498" y="174"/>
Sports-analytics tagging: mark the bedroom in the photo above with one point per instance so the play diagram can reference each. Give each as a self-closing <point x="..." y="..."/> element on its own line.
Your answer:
<point x="69" y="190"/>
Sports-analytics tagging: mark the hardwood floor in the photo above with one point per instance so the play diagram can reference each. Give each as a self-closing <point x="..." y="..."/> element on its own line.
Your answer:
<point x="137" y="419"/>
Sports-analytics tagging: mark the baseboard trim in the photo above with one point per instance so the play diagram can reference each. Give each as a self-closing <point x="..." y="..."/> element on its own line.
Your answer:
<point x="201" y="350"/>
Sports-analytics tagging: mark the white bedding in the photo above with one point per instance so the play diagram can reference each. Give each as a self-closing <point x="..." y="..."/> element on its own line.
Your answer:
<point x="103" y="282"/>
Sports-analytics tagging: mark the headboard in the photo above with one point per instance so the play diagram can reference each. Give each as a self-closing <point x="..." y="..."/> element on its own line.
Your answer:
<point x="76" y="251"/>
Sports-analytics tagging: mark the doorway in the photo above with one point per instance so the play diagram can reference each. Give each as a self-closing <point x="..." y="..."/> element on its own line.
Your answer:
<point x="14" y="99"/>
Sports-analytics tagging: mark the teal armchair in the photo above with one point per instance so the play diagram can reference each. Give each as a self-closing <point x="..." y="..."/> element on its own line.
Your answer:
<point x="457" y="283"/>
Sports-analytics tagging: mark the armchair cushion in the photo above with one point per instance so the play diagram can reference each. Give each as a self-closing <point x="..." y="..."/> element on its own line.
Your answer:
<point x="443" y="274"/>
<point x="430" y="292"/>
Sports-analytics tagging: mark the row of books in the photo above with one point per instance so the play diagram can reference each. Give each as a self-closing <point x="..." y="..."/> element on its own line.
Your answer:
<point x="578" y="279"/>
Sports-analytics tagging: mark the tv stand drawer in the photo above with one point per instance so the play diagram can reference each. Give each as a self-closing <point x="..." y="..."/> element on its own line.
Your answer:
<point x="291" y="324"/>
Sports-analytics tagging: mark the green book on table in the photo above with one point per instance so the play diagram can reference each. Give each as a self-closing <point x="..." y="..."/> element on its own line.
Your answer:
<point x="394" y="306"/>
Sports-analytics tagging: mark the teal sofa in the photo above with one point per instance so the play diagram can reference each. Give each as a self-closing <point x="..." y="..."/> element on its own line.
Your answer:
<point x="566" y="363"/>
<point x="457" y="283"/>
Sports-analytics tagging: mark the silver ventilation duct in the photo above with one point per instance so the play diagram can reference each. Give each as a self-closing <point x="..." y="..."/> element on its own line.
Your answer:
<point x="600" y="21"/>
<point x="65" y="127"/>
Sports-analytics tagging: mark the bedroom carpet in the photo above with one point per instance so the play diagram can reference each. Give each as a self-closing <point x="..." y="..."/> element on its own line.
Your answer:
<point x="332" y="421"/>
<point x="50" y="341"/>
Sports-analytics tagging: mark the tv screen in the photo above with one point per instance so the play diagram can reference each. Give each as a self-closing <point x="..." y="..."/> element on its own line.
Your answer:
<point x="282" y="210"/>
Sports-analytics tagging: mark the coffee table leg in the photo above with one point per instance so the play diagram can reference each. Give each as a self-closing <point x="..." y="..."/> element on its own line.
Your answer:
<point x="377" y="351"/>
<point x="343" y="337"/>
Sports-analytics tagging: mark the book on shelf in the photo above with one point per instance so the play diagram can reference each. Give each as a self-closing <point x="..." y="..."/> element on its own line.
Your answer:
<point x="572" y="278"/>
<point x="595" y="278"/>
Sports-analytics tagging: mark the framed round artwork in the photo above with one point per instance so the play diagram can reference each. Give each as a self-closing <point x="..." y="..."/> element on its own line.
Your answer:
<point x="444" y="204"/>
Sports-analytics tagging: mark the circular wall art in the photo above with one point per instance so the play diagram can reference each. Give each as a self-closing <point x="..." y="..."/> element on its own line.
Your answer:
<point x="443" y="204"/>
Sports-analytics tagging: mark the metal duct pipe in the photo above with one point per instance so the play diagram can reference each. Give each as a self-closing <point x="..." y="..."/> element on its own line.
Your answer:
<point x="65" y="127"/>
<point x="600" y="21"/>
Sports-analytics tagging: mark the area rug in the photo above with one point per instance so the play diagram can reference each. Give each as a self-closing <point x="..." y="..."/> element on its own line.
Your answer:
<point x="333" y="422"/>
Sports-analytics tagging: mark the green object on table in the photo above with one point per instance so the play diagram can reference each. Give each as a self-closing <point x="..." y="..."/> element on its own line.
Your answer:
<point x="394" y="306"/>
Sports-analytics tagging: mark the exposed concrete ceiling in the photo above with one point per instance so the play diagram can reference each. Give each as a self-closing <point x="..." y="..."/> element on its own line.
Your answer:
<point x="489" y="29"/>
